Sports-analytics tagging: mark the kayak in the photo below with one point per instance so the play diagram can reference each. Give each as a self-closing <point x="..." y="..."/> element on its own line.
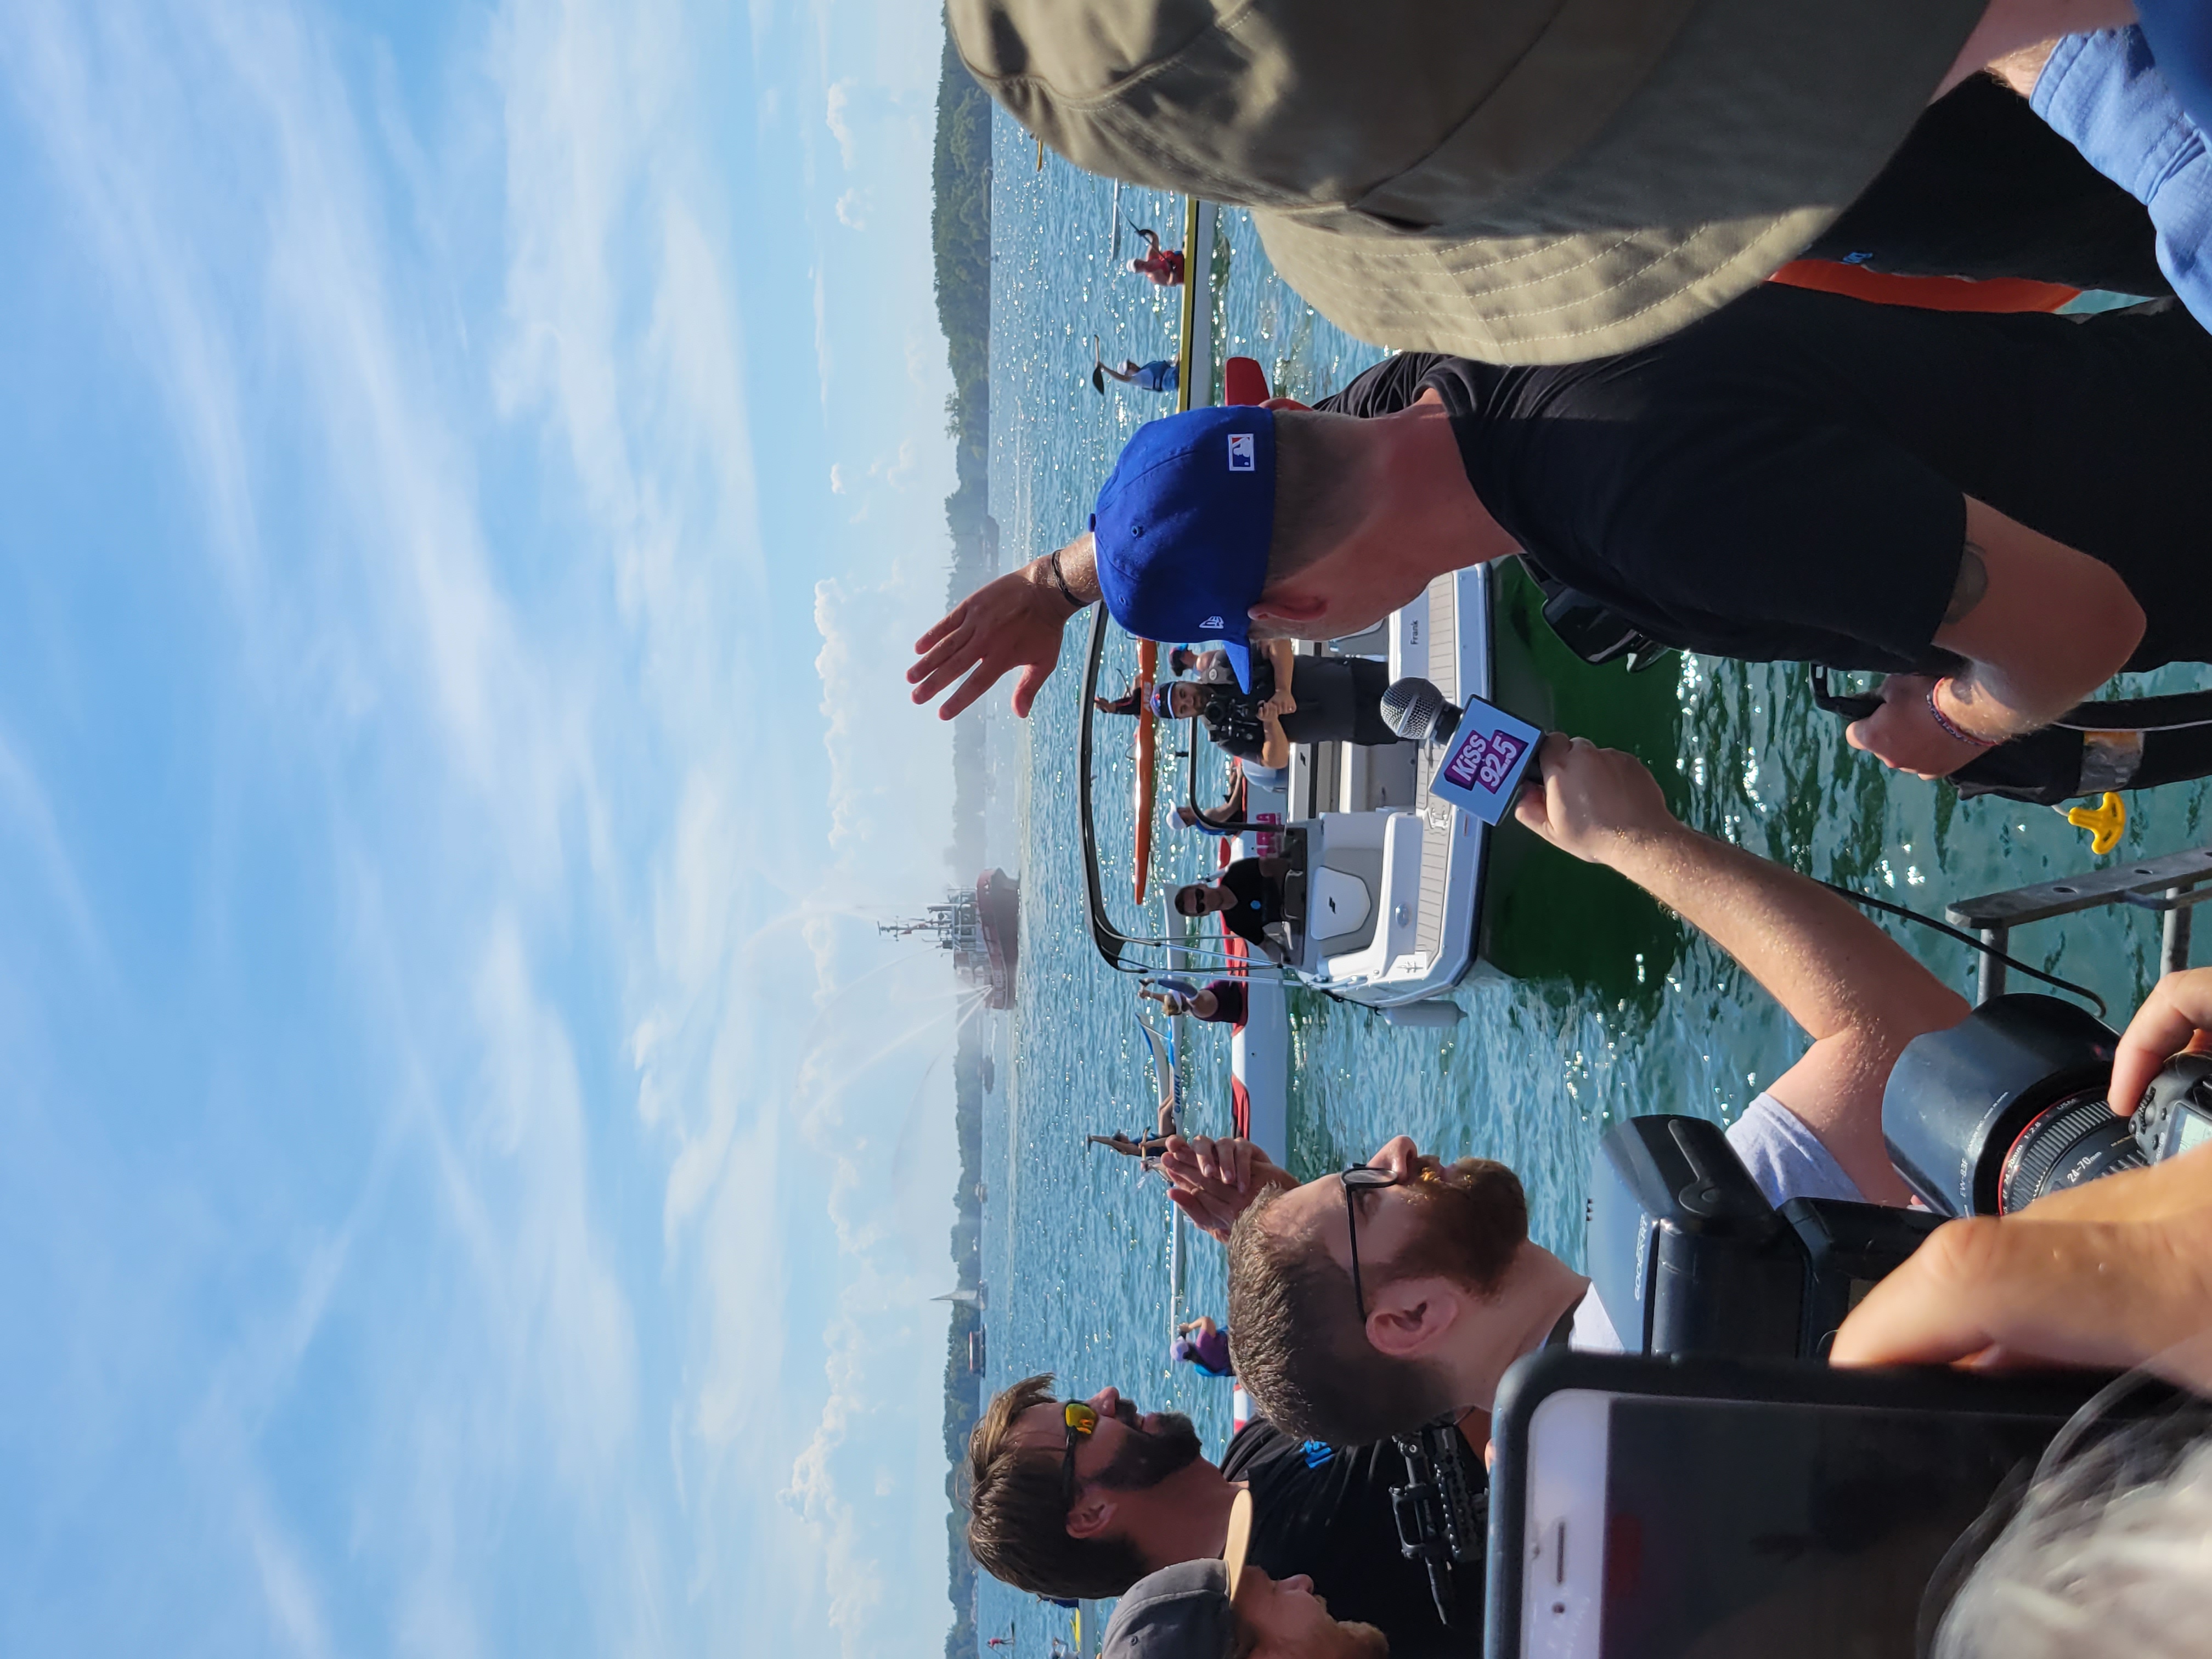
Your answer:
<point x="1148" y="668"/>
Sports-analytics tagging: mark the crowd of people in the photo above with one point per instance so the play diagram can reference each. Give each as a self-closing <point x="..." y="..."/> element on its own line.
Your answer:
<point x="1566" y="234"/>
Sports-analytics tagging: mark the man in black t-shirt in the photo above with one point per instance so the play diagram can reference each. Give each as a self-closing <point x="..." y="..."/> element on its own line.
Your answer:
<point x="1998" y="511"/>
<point x="1250" y="898"/>
<point x="1145" y="1498"/>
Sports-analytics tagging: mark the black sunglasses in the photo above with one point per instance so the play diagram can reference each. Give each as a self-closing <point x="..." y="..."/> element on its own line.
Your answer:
<point x="1359" y="1177"/>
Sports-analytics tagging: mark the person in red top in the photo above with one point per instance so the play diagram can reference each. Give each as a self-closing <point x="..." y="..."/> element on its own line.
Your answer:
<point x="1163" y="264"/>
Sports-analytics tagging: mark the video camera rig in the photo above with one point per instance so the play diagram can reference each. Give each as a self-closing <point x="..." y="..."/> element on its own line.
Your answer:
<point x="1443" y="1517"/>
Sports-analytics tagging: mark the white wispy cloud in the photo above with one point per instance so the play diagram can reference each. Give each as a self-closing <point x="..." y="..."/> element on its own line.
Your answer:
<point x="516" y="757"/>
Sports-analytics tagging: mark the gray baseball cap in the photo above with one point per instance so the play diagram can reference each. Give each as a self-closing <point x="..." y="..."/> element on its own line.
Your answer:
<point x="1186" y="1611"/>
<point x="1524" y="181"/>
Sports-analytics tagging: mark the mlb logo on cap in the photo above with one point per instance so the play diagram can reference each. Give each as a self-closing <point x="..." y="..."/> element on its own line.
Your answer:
<point x="1242" y="458"/>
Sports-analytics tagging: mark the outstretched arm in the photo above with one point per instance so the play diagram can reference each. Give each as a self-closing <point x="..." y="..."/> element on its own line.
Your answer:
<point x="1858" y="994"/>
<point x="2120" y="1275"/>
<point x="1015" y="621"/>
<point x="2041" y="627"/>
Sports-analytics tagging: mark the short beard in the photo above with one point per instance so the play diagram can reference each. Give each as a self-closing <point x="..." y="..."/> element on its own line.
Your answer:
<point x="1366" y="1639"/>
<point x="1474" y="1219"/>
<point x="1148" y="1458"/>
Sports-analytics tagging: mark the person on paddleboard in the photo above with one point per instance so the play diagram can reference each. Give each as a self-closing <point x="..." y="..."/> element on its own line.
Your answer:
<point x="1163" y="264"/>
<point x="1159" y="376"/>
<point x="1219" y="1001"/>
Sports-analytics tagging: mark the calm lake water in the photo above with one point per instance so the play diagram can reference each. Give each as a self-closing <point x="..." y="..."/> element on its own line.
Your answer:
<point x="1617" y="1011"/>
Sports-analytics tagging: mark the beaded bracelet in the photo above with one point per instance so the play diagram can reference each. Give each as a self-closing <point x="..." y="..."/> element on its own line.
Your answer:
<point x="1952" y="730"/>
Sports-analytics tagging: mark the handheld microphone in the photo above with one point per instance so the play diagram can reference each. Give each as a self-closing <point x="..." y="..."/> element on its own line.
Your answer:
<point x="1414" y="708"/>
<point x="1484" y="750"/>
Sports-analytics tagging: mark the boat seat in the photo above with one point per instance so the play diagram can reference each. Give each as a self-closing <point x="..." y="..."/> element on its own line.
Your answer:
<point x="1337" y="902"/>
<point x="1344" y="873"/>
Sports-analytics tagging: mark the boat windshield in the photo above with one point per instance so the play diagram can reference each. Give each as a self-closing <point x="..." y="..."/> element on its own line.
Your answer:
<point x="1137" y="948"/>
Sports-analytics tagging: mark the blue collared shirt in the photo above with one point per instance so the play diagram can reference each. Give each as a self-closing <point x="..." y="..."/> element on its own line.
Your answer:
<point x="2105" y="96"/>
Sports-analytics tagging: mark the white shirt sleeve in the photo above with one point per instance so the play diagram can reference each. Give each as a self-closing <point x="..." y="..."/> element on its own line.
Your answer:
<point x="1592" y="1332"/>
<point x="1785" y="1157"/>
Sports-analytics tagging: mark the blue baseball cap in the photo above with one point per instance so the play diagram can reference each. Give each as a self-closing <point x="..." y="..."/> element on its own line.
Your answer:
<point x="1184" y="526"/>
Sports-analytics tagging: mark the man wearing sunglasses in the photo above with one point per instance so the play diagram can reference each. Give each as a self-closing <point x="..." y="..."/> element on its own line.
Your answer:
<point x="1084" y="1497"/>
<point x="1366" y="1303"/>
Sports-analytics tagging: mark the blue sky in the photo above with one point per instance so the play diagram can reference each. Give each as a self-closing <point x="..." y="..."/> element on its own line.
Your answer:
<point x="470" y="478"/>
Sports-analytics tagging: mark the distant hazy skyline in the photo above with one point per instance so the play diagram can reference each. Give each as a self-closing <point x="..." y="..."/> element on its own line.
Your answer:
<point x="471" y="477"/>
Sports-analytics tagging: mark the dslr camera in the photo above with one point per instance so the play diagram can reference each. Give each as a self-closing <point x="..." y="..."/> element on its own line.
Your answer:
<point x="1689" y="1257"/>
<point x="2010" y="1105"/>
<point x="1983" y="1119"/>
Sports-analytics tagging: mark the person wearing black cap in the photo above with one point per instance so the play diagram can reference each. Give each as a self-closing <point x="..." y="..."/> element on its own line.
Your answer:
<point x="1232" y="1609"/>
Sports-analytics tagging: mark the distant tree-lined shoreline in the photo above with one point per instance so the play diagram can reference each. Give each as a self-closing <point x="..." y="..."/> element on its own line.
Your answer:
<point x="960" y="230"/>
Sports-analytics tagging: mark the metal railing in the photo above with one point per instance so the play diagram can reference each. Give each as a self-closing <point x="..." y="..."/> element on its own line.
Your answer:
<point x="2168" y="885"/>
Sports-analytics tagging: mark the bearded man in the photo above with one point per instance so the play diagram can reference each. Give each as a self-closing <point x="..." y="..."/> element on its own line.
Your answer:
<point x="1083" y="1499"/>
<point x="1367" y="1303"/>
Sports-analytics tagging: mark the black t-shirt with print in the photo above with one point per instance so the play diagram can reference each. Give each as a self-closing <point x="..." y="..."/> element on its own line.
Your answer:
<point x="1327" y="1513"/>
<point x="1259" y="900"/>
<point x="1786" y="478"/>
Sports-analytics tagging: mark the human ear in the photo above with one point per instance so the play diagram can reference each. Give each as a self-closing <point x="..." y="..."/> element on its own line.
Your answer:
<point x="1409" y="1317"/>
<point x="1284" y="402"/>
<point x="1092" y="1514"/>
<point x="1289" y="605"/>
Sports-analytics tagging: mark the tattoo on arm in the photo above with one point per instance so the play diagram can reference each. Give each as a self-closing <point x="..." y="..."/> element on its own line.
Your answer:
<point x="1972" y="586"/>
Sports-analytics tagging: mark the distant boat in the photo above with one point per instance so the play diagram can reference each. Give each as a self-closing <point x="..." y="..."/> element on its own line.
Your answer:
<point x="981" y="927"/>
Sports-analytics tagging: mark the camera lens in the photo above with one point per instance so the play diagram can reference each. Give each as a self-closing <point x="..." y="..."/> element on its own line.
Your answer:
<point x="2075" y="1140"/>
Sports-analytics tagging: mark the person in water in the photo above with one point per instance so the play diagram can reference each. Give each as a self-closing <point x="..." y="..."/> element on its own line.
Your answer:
<point x="1800" y="477"/>
<point x="1206" y="1352"/>
<point x="1159" y="376"/>
<point x="1219" y="1001"/>
<point x="1163" y="264"/>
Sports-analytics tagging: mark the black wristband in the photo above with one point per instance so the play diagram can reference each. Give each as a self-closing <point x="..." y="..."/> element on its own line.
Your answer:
<point x="1051" y="568"/>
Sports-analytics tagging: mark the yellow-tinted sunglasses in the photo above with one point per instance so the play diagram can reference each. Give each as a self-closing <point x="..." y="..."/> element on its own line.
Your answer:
<point x="1081" y="1421"/>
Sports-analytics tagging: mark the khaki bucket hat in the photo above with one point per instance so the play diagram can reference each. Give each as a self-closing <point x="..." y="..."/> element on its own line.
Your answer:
<point x="1525" y="181"/>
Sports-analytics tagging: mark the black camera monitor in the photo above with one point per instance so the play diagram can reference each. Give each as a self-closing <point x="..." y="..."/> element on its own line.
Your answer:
<point x="1688" y="1256"/>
